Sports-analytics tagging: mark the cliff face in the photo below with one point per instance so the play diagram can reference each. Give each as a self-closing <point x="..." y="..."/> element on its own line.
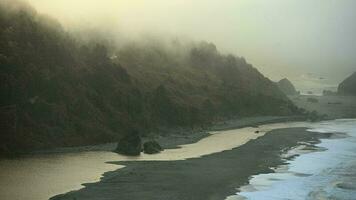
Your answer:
<point x="348" y="86"/>
<point x="287" y="87"/>
<point x="65" y="93"/>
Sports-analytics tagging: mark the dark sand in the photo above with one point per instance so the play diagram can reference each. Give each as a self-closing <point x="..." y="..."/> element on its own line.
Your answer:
<point x="210" y="177"/>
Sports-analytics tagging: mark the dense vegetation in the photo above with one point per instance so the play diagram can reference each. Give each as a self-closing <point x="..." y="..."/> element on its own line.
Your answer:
<point x="56" y="91"/>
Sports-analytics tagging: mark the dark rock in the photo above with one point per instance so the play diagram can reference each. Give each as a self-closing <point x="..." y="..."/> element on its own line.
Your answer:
<point x="257" y="131"/>
<point x="287" y="87"/>
<point x="151" y="147"/>
<point x="348" y="86"/>
<point x="130" y="144"/>
<point x="312" y="100"/>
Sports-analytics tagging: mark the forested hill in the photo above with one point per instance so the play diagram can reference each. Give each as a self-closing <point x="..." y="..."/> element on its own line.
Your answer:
<point x="56" y="91"/>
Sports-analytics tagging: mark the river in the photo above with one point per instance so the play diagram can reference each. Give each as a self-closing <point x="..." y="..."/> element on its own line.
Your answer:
<point x="41" y="176"/>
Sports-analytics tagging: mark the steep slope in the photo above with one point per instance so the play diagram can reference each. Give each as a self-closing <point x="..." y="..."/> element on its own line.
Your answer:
<point x="59" y="92"/>
<point x="348" y="86"/>
<point x="55" y="93"/>
<point x="287" y="87"/>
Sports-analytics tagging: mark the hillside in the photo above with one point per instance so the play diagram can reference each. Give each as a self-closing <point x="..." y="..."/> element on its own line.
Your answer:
<point x="287" y="87"/>
<point x="56" y="91"/>
<point x="348" y="86"/>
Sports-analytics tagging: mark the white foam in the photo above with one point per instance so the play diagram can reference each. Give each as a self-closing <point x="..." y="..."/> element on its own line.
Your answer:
<point x="322" y="170"/>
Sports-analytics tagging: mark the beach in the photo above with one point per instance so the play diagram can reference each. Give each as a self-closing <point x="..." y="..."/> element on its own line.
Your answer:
<point x="203" y="165"/>
<point x="325" y="172"/>
<point x="31" y="176"/>
<point x="213" y="176"/>
<point x="177" y="100"/>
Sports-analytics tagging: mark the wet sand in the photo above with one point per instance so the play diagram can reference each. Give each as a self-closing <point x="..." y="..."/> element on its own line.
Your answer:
<point x="213" y="176"/>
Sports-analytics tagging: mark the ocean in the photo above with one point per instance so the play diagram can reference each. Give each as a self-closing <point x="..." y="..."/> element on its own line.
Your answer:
<point x="329" y="172"/>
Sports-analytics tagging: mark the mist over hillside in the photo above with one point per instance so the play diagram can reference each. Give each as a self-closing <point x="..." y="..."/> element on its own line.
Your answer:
<point x="58" y="89"/>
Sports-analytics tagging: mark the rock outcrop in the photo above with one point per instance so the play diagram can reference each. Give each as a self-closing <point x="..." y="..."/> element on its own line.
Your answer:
<point x="151" y="147"/>
<point x="287" y="87"/>
<point x="348" y="86"/>
<point x="130" y="145"/>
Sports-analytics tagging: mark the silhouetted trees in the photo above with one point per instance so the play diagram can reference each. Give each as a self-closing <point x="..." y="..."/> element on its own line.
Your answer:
<point x="70" y="93"/>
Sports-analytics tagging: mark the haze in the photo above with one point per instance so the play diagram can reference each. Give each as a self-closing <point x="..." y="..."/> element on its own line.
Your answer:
<point x="311" y="42"/>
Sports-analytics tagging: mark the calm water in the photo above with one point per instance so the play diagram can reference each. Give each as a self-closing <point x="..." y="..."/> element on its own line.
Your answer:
<point x="326" y="174"/>
<point x="40" y="177"/>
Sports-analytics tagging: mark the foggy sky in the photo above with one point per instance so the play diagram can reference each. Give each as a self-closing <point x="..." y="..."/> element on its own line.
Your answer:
<point x="302" y="40"/>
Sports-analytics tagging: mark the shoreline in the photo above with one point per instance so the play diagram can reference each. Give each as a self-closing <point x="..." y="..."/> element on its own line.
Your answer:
<point x="173" y="138"/>
<point x="73" y="171"/>
<point x="83" y="167"/>
<point x="317" y="172"/>
<point x="213" y="176"/>
<point x="286" y="156"/>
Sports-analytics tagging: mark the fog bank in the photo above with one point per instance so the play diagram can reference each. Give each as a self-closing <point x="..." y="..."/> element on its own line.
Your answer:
<point x="294" y="39"/>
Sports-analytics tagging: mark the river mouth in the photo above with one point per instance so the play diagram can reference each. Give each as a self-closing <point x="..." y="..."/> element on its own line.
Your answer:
<point x="40" y="177"/>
